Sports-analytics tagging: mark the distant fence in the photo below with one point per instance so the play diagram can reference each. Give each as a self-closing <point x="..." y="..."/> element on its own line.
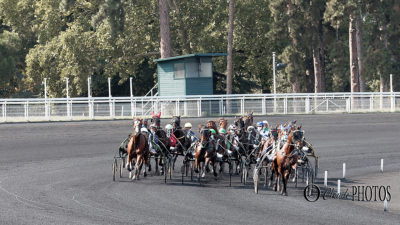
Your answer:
<point x="56" y="109"/>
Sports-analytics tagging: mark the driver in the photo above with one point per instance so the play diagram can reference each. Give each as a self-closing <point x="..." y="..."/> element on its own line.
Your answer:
<point x="189" y="133"/>
<point x="153" y="138"/>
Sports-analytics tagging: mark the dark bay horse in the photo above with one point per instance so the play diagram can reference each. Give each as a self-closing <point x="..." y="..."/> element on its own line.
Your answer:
<point x="205" y="152"/>
<point x="183" y="141"/>
<point x="164" y="141"/>
<point x="137" y="151"/>
<point x="286" y="157"/>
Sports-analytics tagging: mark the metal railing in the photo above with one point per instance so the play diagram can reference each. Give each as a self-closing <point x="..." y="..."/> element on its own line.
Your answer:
<point x="60" y="109"/>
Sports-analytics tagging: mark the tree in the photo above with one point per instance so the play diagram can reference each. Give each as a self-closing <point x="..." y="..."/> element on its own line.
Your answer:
<point x="165" y="38"/>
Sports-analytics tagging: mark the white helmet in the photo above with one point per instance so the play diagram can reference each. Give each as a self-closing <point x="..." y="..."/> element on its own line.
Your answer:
<point x="265" y="123"/>
<point x="232" y="127"/>
<point x="168" y="127"/>
<point x="144" y="129"/>
<point x="250" y="128"/>
<point x="188" y="125"/>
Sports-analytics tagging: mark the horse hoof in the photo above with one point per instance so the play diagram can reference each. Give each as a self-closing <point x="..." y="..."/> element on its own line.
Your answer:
<point x="145" y="174"/>
<point x="196" y="170"/>
<point x="284" y="194"/>
<point x="203" y="175"/>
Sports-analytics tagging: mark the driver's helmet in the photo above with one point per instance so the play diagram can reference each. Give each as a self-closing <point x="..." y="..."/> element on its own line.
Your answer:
<point x="260" y="125"/>
<point x="265" y="123"/>
<point x="188" y="125"/>
<point x="144" y="130"/>
<point x="153" y="126"/>
<point x="168" y="127"/>
<point x="222" y="131"/>
<point x="250" y="128"/>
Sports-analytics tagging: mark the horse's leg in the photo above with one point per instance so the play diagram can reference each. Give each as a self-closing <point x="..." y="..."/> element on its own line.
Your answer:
<point x="214" y="164"/>
<point x="138" y="162"/>
<point x="205" y="166"/>
<point x="285" y="178"/>
<point x="196" y="163"/>
<point x="156" y="160"/>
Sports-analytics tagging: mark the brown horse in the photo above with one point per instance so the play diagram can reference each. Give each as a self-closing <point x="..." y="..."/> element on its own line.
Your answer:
<point x="137" y="151"/>
<point x="205" y="152"/>
<point x="223" y="123"/>
<point x="286" y="157"/>
<point x="248" y="120"/>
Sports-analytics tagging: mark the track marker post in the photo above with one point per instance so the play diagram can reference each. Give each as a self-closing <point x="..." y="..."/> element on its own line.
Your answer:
<point x="344" y="170"/>
<point x="326" y="179"/>
<point x="381" y="165"/>
<point x="385" y="205"/>
<point x="338" y="186"/>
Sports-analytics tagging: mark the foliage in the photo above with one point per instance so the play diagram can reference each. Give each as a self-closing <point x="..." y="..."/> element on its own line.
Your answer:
<point x="78" y="39"/>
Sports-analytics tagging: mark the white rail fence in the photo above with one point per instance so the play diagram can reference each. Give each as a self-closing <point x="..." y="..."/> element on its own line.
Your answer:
<point x="58" y="109"/>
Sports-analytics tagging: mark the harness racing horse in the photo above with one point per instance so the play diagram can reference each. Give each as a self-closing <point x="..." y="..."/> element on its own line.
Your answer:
<point x="205" y="152"/>
<point x="183" y="141"/>
<point x="163" y="140"/>
<point x="286" y="157"/>
<point x="137" y="151"/>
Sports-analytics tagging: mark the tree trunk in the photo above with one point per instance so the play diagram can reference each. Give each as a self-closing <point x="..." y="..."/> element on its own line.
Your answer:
<point x="230" y="43"/>
<point x="354" y="80"/>
<point x="317" y="70"/>
<point x="296" y="85"/>
<point x="165" y="39"/>
<point x="360" y="52"/>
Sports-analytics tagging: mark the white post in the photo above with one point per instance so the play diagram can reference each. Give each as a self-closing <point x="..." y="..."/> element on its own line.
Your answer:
<point x="110" y="105"/>
<point x="385" y="205"/>
<point x="88" y="84"/>
<point x="326" y="179"/>
<point x="67" y="90"/>
<point x="5" y="111"/>
<point x="66" y="80"/>
<point x="274" y="78"/>
<point x="392" y="99"/>
<point x="307" y="102"/>
<point x="26" y="107"/>
<point x="391" y="83"/>
<point x="46" y="109"/>
<point x="130" y="86"/>
<point x="344" y="170"/>
<point x="89" y="96"/>
<point x="338" y="186"/>
<point x="382" y="165"/>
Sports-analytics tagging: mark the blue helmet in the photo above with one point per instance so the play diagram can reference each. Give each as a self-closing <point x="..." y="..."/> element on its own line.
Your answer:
<point x="260" y="124"/>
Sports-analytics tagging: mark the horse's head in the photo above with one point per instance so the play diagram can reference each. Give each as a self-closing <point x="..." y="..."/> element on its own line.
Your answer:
<point x="223" y="123"/>
<point x="297" y="138"/>
<point x="205" y="136"/>
<point x="274" y="134"/>
<point x="248" y="119"/>
<point x="176" y="122"/>
<point x="137" y="124"/>
<point x="239" y="123"/>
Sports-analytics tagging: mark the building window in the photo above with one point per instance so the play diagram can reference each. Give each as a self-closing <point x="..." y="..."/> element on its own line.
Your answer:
<point x="179" y="70"/>
<point x="192" y="69"/>
<point x="205" y="68"/>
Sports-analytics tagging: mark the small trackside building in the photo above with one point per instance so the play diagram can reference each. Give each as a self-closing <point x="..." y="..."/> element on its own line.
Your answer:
<point x="186" y="74"/>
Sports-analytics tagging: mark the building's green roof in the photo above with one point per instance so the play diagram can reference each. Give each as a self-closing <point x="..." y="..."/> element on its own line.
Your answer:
<point x="191" y="55"/>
